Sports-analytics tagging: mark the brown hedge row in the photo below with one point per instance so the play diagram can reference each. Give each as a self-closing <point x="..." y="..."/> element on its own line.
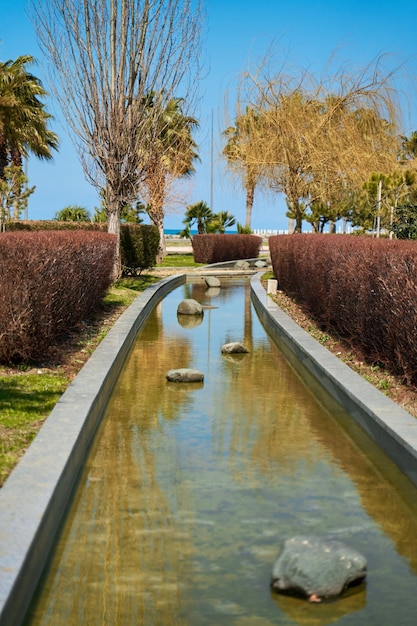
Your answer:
<point x="365" y="289"/>
<point x="49" y="282"/>
<point x="138" y="242"/>
<point x="215" y="248"/>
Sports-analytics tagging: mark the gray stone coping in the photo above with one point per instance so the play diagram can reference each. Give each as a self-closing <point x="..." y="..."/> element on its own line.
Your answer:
<point x="392" y="428"/>
<point x="34" y="498"/>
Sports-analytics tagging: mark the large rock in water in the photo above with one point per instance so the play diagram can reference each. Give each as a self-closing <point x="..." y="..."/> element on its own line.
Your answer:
<point x="234" y="347"/>
<point x="184" y="375"/>
<point x="212" y="281"/>
<point x="317" y="567"/>
<point x="190" y="307"/>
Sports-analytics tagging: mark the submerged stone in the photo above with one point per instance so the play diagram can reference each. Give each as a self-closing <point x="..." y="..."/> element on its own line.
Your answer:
<point x="184" y="375"/>
<point x="190" y="307"/>
<point x="317" y="567"/>
<point x="235" y="347"/>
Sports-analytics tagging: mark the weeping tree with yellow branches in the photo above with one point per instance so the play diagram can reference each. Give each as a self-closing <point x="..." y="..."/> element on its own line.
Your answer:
<point x="317" y="136"/>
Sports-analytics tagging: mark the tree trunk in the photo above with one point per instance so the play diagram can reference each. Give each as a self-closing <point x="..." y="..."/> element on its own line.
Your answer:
<point x="250" y="194"/>
<point x="16" y="159"/>
<point x="156" y="189"/>
<point x="162" y="250"/>
<point x="298" y="213"/>
<point x="157" y="217"/>
<point x="4" y="161"/>
<point x="113" y="227"/>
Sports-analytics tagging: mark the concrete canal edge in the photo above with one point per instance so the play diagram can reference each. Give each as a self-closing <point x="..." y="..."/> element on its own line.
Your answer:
<point x="389" y="426"/>
<point x="34" y="498"/>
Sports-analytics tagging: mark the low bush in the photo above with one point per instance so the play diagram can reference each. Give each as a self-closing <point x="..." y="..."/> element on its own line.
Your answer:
<point x="49" y="282"/>
<point x="365" y="289"/>
<point x="215" y="248"/>
<point x="139" y="245"/>
<point x="138" y="242"/>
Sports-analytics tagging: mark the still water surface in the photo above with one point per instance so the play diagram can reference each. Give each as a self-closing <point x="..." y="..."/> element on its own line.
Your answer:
<point x="189" y="490"/>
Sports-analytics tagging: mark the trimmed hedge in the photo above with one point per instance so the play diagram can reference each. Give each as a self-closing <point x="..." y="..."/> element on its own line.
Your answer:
<point x="139" y="243"/>
<point x="49" y="282"/>
<point x="216" y="248"/>
<point x="365" y="289"/>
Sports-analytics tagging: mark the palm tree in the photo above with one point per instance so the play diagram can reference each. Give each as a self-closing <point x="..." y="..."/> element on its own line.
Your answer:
<point x="23" y="118"/>
<point x="200" y="214"/>
<point x="239" y="152"/>
<point x="221" y="221"/>
<point x="170" y="156"/>
<point x="73" y="213"/>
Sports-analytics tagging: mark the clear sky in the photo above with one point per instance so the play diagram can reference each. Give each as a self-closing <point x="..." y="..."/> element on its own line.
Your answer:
<point x="306" y="31"/>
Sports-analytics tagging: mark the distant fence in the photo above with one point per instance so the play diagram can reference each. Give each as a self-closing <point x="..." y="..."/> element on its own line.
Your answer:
<point x="263" y="232"/>
<point x="267" y="233"/>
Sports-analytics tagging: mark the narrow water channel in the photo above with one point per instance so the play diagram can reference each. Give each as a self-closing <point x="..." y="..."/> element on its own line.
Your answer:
<point x="189" y="490"/>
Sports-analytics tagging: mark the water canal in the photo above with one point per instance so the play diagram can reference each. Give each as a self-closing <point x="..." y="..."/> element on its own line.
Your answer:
<point x="190" y="489"/>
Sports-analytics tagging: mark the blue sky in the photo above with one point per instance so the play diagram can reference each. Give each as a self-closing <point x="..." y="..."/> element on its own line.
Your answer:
<point x="307" y="32"/>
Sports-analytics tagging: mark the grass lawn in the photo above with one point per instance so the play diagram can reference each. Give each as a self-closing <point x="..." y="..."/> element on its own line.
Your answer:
<point x="179" y="260"/>
<point x="25" y="401"/>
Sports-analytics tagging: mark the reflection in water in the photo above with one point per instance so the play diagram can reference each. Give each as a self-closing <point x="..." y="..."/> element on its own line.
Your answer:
<point x="212" y="292"/>
<point x="189" y="490"/>
<point x="189" y="321"/>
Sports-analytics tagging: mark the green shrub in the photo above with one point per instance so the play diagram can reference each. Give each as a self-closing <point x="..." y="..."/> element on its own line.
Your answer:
<point x="139" y="245"/>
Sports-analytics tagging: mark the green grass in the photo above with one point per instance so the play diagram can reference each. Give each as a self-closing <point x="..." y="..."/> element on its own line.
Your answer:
<point x="25" y="401"/>
<point x="119" y="293"/>
<point x="179" y="260"/>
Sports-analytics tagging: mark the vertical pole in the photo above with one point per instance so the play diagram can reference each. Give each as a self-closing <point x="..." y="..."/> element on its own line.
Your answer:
<point x="26" y="188"/>
<point x="378" y="209"/>
<point x="211" y="163"/>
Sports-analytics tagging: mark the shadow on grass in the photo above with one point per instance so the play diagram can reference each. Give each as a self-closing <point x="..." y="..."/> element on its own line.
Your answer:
<point x="138" y="283"/>
<point x="24" y="396"/>
<point x="25" y="402"/>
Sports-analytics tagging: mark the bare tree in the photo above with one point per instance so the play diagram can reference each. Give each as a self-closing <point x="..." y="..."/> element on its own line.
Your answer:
<point x="317" y="135"/>
<point x="115" y="66"/>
